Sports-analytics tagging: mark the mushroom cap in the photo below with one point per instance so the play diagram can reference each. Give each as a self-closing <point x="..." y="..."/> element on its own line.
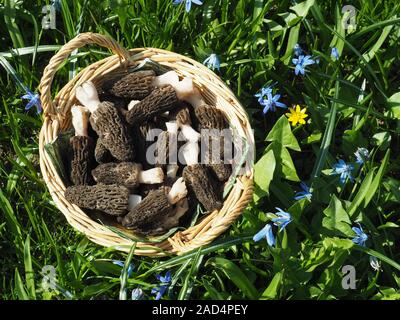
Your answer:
<point x="203" y="185"/>
<point x="134" y="86"/>
<point x="111" y="199"/>
<point x="123" y="173"/>
<point x="149" y="214"/>
<point x="82" y="160"/>
<point x="221" y="171"/>
<point x="112" y="129"/>
<point x="209" y="117"/>
<point x="160" y="100"/>
<point x="101" y="153"/>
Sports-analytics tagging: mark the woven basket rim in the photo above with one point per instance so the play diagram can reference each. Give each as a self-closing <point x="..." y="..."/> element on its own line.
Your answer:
<point x="58" y="119"/>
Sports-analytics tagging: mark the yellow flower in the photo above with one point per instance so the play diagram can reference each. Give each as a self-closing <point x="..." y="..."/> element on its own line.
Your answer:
<point x="297" y="115"/>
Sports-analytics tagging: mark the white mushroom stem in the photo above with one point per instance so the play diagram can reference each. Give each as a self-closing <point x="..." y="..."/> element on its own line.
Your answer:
<point x="172" y="127"/>
<point x="184" y="89"/>
<point x="134" y="200"/>
<point x="172" y="169"/>
<point x="181" y="207"/>
<point x="189" y="133"/>
<point x="132" y="104"/>
<point x="151" y="176"/>
<point x="168" y="78"/>
<point x="177" y="192"/>
<point x="86" y="93"/>
<point x="190" y="152"/>
<point x="80" y="119"/>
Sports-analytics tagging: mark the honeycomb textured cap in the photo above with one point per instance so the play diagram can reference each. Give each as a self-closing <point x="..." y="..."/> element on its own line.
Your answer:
<point x="111" y="199"/>
<point x="113" y="131"/>
<point x="203" y="185"/>
<point x="82" y="160"/>
<point x="159" y="101"/>
<point x="135" y="86"/>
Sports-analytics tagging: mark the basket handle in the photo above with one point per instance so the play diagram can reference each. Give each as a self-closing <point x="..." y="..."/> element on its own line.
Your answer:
<point x="77" y="42"/>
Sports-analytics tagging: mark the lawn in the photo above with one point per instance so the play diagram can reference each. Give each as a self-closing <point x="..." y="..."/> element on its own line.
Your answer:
<point x="324" y="220"/>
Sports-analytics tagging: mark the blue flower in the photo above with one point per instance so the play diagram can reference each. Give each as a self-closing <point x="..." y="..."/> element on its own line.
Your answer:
<point x="212" y="62"/>
<point x="159" y="291"/>
<point x="137" y="294"/>
<point x="306" y="193"/>
<point x="266" y="233"/>
<point x="301" y="62"/>
<point x="121" y="264"/>
<point x="344" y="170"/>
<point x="282" y="220"/>
<point x="271" y="103"/>
<point x="34" y="100"/>
<point x="263" y="94"/>
<point x="362" y="155"/>
<point x="188" y="3"/>
<point x="360" y="237"/>
<point x="297" y="50"/>
<point x="335" y="53"/>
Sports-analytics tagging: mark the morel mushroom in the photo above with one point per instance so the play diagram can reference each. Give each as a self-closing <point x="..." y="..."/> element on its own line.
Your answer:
<point x="209" y="117"/>
<point x="107" y="122"/>
<point x="111" y="199"/>
<point x="138" y="85"/>
<point x="184" y="123"/>
<point x="101" y="153"/>
<point x="213" y="119"/>
<point x="199" y="181"/>
<point x="158" y="101"/>
<point x="128" y="174"/>
<point x="156" y="211"/>
<point x="82" y="148"/>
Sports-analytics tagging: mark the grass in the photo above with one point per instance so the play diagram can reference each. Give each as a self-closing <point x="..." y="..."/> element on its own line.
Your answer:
<point x="254" y="39"/>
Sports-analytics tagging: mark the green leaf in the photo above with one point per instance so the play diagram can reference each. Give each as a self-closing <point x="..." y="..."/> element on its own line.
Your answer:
<point x="394" y="105"/>
<point x="382" y="139"/>
<point x="285" y="162"/>
<point x="264" y="173"/>
<point x="282" y="133"/>
<point x="361" y="194"/>
<point x="337" y="219"/>
<point x="236" y="275"/>
<point x="302" y="8"/>
<point x="377" y="180"/>
<point x="272" y="290"/>
<point x="19" y="286"/>
<point x="29" y="277"/>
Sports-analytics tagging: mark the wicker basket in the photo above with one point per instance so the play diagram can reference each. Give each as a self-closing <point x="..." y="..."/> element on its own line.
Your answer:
<point x="57" y="118"/>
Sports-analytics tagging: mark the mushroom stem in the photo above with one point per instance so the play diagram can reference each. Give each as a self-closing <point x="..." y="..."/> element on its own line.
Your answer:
<point x="86" y="93"/>
<point x="177" y="192"/>
<point x="172" y="169"/>
<point x="151" y="176"/>
<point x="189" y="133"/>
<point x="181" y="207"/>
<point x="132" y="104"/>
<point x="168" y="78"/>
<point x="134" y="200"/>
<point x="80" y="119"/>
<point x="190" y="152"/>
<point x="172" y="127"/>
<point x="196" y="99"/>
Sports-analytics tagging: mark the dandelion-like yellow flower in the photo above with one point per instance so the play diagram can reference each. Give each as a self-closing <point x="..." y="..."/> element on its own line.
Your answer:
<point x="297" y="115"/>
